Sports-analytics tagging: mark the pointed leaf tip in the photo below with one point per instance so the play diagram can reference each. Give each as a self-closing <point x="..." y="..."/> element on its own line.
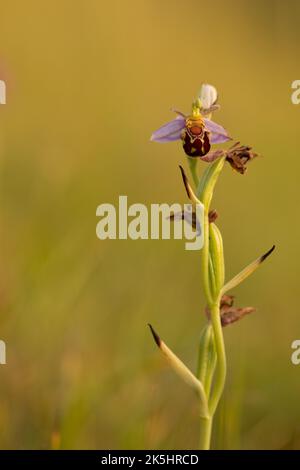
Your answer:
<point x="263" y="257"/>
<point x="184" y="373"/>
<point x="155" y="335"/>
<point x="246" y="271"/>
<point x="185" y="182"/>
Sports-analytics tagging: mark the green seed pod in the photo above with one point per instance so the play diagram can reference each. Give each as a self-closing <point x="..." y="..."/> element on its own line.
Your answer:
<point x="217" y="257"/>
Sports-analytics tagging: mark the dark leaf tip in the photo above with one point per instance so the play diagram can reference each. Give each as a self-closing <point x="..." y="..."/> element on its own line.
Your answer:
<point x="155" y="335"/>
<point x="185" y="181"/>
<point x="263" y="257"/>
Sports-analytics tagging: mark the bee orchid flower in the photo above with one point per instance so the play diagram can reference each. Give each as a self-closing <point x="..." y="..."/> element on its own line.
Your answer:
<point x="196" y="131"/>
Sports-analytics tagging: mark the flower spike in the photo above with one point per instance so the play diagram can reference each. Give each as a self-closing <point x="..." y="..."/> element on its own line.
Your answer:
<point x="198" y="133"/>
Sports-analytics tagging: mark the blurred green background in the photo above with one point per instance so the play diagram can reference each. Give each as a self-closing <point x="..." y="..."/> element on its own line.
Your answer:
<point x="87" y="83"/>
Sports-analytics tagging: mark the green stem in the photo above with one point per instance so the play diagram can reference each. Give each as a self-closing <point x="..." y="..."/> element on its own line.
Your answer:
<point x="212" y="360"/>
<point x="193" y="168"/>
<point x="207" y="358"/>
<point x="213" y="281"/>
<point x="221" y="357"/>
<point x="205" y="433"/>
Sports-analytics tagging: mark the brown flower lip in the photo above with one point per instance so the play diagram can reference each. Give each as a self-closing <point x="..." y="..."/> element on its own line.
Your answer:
<point x="228" y="313"/>
<point x="195" y="139"/>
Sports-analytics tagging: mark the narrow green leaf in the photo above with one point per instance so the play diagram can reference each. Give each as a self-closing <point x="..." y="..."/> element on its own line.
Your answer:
<point x="246" y="272"/>
<point x="207" y="183"/>
<point x="181" y="369"/>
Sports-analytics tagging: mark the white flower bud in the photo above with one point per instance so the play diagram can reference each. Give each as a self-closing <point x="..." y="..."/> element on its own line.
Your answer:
<point x="208" y="95"/>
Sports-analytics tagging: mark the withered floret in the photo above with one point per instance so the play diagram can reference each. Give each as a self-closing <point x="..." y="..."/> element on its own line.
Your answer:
<point x="230" y="314"/>
<point x="238" y="156"/>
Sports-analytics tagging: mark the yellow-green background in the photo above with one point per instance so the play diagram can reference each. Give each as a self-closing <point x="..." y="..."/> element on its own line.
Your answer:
<point x="87" y="83"/>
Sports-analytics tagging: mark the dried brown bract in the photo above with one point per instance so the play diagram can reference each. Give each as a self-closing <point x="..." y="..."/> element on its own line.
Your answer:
<point x="238" y="156"/>
<point x="230" y="314"/>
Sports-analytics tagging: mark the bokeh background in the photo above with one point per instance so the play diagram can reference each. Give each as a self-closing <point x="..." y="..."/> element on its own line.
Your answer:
<point x="87" y="83"/>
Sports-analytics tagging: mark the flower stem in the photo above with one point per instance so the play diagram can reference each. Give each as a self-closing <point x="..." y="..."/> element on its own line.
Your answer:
<point x="193" y="168"/>
<point x="205" y="433"/>
<point x="213" y="281"/>
<point x="205" y="260"/>
<point x="221" y="357"/>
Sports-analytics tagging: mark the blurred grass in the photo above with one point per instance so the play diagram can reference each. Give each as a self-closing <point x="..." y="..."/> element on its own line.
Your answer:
<point x="87" y="84"/>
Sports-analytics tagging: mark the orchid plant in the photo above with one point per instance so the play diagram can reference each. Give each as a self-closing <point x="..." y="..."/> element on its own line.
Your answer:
<point x="198" y="133"/>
